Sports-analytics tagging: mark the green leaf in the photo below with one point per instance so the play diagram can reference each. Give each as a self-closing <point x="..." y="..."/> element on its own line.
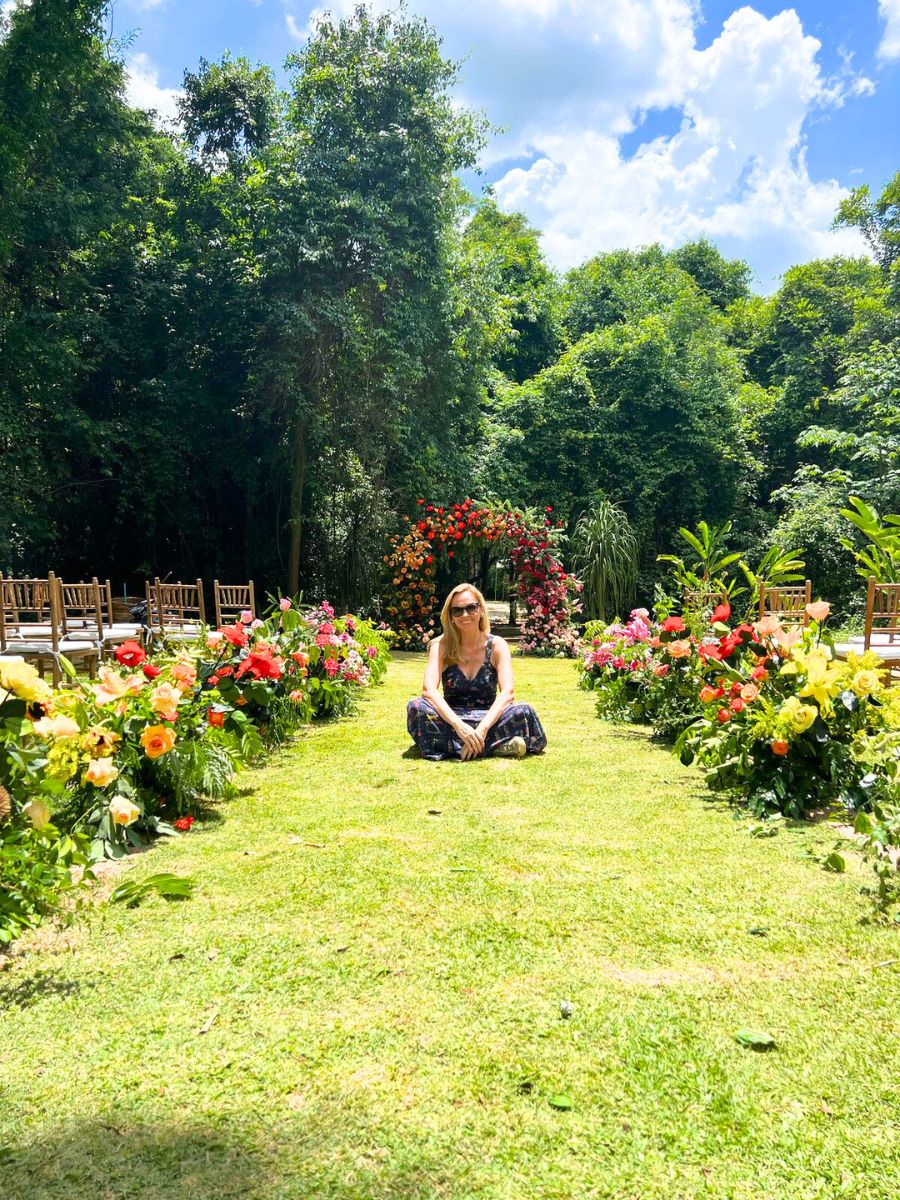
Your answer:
<point x="560" y="1101"/>
<point x="835" y="862"/>
<point x="171" y="887"/>
<point x="755" y="1039"/>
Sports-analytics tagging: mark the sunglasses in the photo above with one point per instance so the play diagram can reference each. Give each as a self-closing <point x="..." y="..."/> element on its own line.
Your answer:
<point x="457" y="610"/>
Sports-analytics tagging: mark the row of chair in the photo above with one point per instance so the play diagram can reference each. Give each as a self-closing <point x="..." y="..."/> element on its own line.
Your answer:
<point x="881" y="633"/>
<point x="41" y="619"/>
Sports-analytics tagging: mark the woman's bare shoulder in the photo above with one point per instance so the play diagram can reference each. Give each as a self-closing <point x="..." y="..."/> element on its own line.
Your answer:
<point x="498" y="643"/>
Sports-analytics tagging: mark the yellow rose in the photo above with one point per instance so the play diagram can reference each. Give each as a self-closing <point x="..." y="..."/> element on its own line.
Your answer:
<point x="122" y="811"/>
<point x="101" y="772"/>
<point x="798" y="715"/>
<point x="37" y="813"/>
<point x="865" y="683"/>
<point x="165" y="700"/>
<point x="22" y="679"/>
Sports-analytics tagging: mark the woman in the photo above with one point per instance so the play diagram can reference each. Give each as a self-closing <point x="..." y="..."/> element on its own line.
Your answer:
<point x="474" y="716"/>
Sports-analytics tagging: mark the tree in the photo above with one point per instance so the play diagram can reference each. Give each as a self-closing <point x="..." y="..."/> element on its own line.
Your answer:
<point x="877" y="220"/>
<point x="723" y="280"/>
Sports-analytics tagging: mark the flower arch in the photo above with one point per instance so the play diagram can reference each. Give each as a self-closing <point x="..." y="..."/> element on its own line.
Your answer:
<point x="441" y="534"/>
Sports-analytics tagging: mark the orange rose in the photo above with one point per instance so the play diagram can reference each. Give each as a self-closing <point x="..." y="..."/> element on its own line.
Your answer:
<point x="157" y="740"/>
<point x="780" y="748"/>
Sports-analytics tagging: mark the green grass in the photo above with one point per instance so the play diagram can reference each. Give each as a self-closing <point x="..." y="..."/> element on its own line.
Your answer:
<point x="387" y="1005"/>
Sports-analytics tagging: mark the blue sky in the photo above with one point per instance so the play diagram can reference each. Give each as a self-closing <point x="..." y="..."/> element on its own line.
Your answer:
<point x="627" y="121"/>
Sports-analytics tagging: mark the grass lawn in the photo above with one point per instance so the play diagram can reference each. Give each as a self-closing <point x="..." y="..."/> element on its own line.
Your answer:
<point x="362" y="1000"/>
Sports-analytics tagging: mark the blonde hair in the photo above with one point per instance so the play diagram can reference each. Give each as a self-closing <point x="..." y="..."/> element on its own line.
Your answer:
<point x="450" y="642"/>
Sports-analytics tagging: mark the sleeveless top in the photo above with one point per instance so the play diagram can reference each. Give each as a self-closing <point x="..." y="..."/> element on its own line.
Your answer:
<point x="480" y="691"/>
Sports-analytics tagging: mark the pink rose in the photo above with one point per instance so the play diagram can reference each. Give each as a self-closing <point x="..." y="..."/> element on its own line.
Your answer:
<point x="284" y="603"/>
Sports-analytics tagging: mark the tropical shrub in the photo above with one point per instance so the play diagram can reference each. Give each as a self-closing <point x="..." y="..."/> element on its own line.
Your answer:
<point x="605" y="555"/>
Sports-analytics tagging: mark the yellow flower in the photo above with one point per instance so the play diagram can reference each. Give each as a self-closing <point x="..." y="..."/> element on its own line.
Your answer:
<point x="123" y="812"/>
<point x="100" y="742"/>
<point x="62" y="760"/>
<point x="22" y="679"/>
<point x="101" y="772"/>
<point x="798" y="715"/>
<point x="823" y="679"/>
<point x="37" y="813"/>
<point x="865" y="683"/>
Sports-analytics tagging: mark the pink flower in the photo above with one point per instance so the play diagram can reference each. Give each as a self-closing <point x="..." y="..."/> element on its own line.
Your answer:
<point x="246" y="616"/>
<point x="819" y="610"/>
<point x="371" y="651"/>
<point x="257" y="624"/>
<point x="284" y="603"/>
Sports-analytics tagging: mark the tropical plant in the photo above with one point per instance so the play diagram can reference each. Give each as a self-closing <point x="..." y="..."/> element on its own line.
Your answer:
<point x="881" y="554"/>
<point x="605" y="556"/>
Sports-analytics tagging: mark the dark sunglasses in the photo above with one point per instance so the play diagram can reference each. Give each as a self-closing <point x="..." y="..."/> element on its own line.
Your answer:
<point x="457" y="610"/>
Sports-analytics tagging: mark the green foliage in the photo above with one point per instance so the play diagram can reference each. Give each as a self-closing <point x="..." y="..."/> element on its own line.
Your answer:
<point x="39" y="868"/>
<point x="880" y="556"/>
<point x="171" y="887"/>
<point x="877" y="220"/>
<point x="605" y="554"/>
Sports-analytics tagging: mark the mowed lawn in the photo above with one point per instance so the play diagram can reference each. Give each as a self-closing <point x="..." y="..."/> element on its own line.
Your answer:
<point x="362" y="1000"/>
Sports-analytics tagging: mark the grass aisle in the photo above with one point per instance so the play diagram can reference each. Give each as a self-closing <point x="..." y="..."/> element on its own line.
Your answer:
<point x="362" y="1000"/>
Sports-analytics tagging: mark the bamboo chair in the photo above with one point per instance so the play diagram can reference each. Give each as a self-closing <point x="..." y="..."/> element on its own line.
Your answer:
<point x="882" y="631"/>
<point x="33" y="627"/>
<point x="233" y="599"/>
<point x="176" y="611"/>
<point x="115" y="632"/>
<point x="786" y="603"/>
<point x="701" y="601"/>
<point x="81" y="611"/>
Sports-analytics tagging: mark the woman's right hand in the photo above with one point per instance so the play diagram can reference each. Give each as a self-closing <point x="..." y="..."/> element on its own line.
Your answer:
<point x="472" y="742"/>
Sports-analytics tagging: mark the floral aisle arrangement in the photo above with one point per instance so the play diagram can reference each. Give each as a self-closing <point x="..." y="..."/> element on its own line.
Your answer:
<point x="548" y="593"/>
<point x="126" y="757"/>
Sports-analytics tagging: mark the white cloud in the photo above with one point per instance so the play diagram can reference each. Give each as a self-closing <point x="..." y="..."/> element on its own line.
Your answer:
<point x="889" y="11"/>
<point x="143" y="90"/>
<point x="145" y="4"/>
<point x="570" y="78"/>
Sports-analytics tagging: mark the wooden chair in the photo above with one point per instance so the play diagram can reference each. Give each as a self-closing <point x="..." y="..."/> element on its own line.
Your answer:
<point x="697" y="602"/>
<point x="176" y="611"/>
<point x="786" y="603"/>
<point x="115" y="632"/>
<point x="32" y="626"/>
<point x="233" y="599"/>
<point x="81" y="611"/>
<point x="882" y="631"/>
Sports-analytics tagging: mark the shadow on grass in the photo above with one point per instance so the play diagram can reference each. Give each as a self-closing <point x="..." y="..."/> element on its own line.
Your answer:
<point x="25" y="993"/>
<point x="109" y="1158"/>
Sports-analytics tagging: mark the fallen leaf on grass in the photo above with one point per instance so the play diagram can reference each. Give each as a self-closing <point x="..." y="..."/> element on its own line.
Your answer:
<point x="560" y="1101"/>
<point x="209" y="1022"/>
<point x="759" y="930"/>
<point x="435" y="812"/>
<point x="755" y="1039"/>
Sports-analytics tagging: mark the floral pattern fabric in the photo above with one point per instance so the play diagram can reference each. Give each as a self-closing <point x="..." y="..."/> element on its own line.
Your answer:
<point x="471" y="698"/>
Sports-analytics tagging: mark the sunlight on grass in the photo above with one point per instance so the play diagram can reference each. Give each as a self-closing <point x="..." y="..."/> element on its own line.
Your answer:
<point x="363" y="997"/>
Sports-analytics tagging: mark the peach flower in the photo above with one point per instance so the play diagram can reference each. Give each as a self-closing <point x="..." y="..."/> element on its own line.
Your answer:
<point x="101" y="772"/>
<point x="165" y="700"/>
<point x="818" y="610"/>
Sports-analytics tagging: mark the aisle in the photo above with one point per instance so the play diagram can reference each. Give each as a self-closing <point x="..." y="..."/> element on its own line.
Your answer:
<point x="362" y="1000"/>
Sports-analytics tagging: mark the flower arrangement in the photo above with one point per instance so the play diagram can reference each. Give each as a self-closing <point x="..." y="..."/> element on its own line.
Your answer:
<point x="547" y="592"/>
<point x="122" y="758"/>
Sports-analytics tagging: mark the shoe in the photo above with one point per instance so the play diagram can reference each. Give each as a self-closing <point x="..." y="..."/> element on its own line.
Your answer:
<point x="514" y="748"/>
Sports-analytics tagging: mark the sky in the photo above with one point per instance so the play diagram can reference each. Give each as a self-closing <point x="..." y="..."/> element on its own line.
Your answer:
<point x="624" y="122"/>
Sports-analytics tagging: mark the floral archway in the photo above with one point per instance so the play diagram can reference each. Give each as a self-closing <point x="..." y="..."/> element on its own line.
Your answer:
<point x="441" y="536"/>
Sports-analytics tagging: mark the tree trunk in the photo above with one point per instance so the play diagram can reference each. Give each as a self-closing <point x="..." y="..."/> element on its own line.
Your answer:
<point x="295" y="512"/>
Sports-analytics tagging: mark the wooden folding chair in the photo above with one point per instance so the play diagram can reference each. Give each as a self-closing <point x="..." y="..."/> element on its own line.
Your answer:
<point x="115" y="632"/>
<point x="697" y="601"/>
<point x="882" y="630"/>
<point x="81" y="611"/>
<point x="176" y="611"/>
<point x="34" y="626"/>
<point x="786" y="603"/>
<point x="233" y="599"/>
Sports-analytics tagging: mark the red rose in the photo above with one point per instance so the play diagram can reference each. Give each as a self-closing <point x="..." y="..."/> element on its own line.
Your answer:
<point x="130" y="654"/>
<point x="673" y="625"/>
<point x="236" y="634"/>
<point x="183" y="824"/>
<point x="215" y="718"/>
<point x="723" y="716"/>
<point x="722" y="613"/>
<point x="150" y="671"/>
<point x="737" y="704"/>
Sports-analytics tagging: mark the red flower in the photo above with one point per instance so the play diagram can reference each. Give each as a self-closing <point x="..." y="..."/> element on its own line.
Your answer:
<point x="236" y="634"/>
<point x="723" y="716"/>
<point x="759" y="673"/>
<point x="183" y="824"/>
<point x="420" y="502"/>
<point x="673" y="625"/>
<point x="722" y="613"/>
<point x="429" y="558"/>
<point x="780" y="748"/>
<point x="549" y="508"/>
<point x="737" y="704"/>
<point x="261" y="664"/>
<point x="150" y="671"/>
<point x="215" y="718"/>
<point x="708" y="694"/>
<point x="130" y="654"/>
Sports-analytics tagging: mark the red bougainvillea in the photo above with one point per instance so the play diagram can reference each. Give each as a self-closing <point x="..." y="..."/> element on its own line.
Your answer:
<point x="446" y="532"/>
